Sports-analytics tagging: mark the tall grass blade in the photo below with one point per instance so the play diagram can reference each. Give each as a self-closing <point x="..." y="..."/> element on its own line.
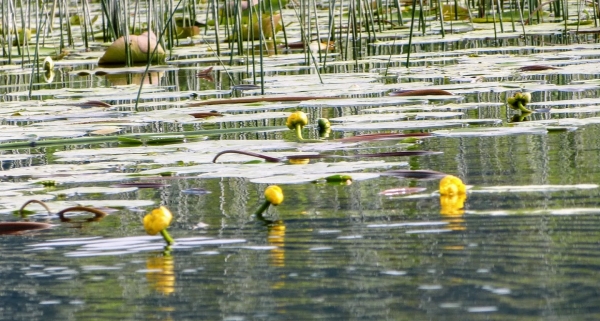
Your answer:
<point x="410" y="35"/>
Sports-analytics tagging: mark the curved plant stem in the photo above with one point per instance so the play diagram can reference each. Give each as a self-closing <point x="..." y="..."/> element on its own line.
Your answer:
<point x="523" y="109"/>
<point x="33" y="201"/>
<point x="299" y="132"/>
<point x="265" y="157"/>
<point x="98" y="214"/>
<point x="263" y="207"/>
<point x="153" y="54"/>
<point x="167" y="237"/>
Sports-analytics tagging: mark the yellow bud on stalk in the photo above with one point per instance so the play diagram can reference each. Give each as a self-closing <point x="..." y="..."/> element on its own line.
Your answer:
<point x="157" y="221"/>
<point x="296" y="121"/>
<point x="274" y="195"/>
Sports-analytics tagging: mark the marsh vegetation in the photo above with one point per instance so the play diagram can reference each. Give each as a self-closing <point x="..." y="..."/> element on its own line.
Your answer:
<point x="127" y="105"/>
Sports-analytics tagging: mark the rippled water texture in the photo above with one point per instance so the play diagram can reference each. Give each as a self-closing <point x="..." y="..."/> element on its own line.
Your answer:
<point x="386" y="267"/>
<point x="524" y="247"/>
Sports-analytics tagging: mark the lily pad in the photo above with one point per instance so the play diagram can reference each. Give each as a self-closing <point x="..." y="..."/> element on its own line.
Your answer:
<point x="489" y="131"/>
<point x="532" y="188"/>
<point x="93" y="190"/>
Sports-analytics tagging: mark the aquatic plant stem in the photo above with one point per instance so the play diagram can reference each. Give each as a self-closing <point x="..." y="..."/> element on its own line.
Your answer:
<point x="151" y="58"/>
<point x="399" y="12"/>
<point x="410" y="36"/>
<point x="440" y="11"/>
<point x="522" y="21"/>
<point x="500" y="10"/>
<point x="263" y="207"/>
<point x="261" y="43"/>
<point x="494" y="19"/>
<point x="21" y="210"/>
<point x="36" y="57"/>
<point x="98" y="214"/>
<point x="265" y="157"/>
<point x="387" y="66"/>
<point x="216" y="19"/>
<point x="298" y="130"/>
<point x="523" y="109"/>
<point x="167" y="237"/>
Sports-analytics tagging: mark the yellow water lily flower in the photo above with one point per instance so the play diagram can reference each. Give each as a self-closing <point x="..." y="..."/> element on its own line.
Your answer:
<point x="274" y="195"/>
<point x="452" y="185"/>
<point x="296" y="121"/>
<point x="157" y="220"/>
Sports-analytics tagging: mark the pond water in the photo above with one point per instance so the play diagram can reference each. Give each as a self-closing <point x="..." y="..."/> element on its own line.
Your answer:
<point x="525" y="246"/>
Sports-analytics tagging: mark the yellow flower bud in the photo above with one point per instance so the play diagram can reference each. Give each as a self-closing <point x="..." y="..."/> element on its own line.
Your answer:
<point x="274" y="194"/>
<point x="157" y="220"/>
<point x="295" y="119"/>
<point x="452" y="185"/>
<point x="323" y="124"/>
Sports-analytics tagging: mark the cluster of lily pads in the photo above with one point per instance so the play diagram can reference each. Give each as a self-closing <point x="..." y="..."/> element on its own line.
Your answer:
<point x="452" y="192"/>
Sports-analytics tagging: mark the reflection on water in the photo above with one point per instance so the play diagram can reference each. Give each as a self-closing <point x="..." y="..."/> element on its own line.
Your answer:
<point x="160" y="273"/>
<point x="122" y="79"/>
<point x="387" y="267"/>
<point x="452" y="211"/>
<point x="276" y="237"/>
<point x="330" y="252"/>
<point x="340" y="252"/>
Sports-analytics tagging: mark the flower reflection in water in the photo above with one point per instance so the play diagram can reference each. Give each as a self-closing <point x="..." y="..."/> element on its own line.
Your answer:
<point x="276" y="237"/>
<point x="452" y="210"/>
<point x="160" y="275"/>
